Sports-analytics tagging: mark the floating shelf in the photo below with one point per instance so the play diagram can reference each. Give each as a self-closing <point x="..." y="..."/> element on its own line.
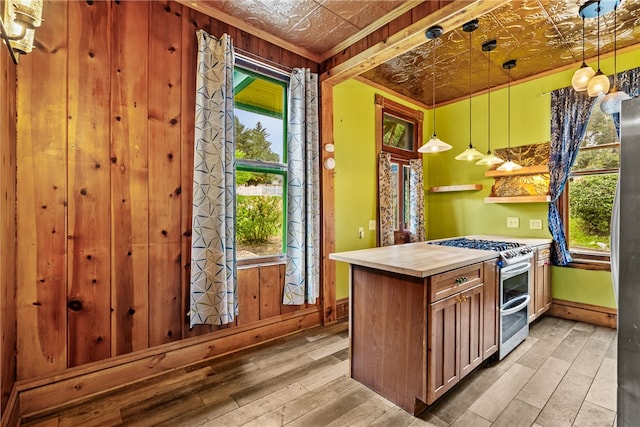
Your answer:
<point x="450" y="188"/>
<point x="529" y="170"/>
<point x="518" y="199"/>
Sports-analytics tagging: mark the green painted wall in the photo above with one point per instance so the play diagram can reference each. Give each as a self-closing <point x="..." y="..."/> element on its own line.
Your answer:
<point x="460" y="213"/>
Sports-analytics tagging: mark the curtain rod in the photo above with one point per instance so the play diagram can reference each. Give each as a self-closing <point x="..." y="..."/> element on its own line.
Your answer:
<point x="256" y="60"/>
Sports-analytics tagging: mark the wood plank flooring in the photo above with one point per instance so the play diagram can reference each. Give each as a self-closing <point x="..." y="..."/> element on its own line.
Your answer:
<point x="564" y="374"/>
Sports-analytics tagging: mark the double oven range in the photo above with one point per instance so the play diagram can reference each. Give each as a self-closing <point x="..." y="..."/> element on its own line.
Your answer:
<point x="516" y="276"/>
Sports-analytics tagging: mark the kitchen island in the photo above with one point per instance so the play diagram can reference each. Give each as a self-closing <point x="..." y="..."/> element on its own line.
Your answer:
<point x="421" y="317"/>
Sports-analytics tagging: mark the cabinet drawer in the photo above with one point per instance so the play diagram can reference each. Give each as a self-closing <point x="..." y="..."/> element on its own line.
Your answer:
<point x="544" y="252"/>
<point x="451" y="282"/>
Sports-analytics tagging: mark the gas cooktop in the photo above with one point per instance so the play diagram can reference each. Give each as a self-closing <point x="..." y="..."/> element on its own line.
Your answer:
<point x="510" y="252"/>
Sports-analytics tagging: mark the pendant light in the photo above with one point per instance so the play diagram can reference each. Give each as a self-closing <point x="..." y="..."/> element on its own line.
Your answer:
<point x="490" y="158"/>
<point x="612" y="101"/>
<point x="583" y="74"/>
<point x="435" y="144"/>
<point x="599" y="83"/>
<point x="509" y="165"/>
<point x="470" y="154"/>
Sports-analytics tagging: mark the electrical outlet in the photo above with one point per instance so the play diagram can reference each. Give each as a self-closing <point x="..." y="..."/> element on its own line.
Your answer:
<point x="372" y="224"/>
<point x="535" y="224"/>
<point x="361" y="232"/>
<point x="513" y="222"/>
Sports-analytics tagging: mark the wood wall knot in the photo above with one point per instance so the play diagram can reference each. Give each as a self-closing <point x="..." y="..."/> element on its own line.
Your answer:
<point x="74" y="305"/>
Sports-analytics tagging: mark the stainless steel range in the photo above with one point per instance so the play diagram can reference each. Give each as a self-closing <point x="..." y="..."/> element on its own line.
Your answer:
<point x="516" y="276"/>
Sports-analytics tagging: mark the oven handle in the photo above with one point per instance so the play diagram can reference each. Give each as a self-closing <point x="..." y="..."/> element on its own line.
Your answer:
<point x="525" y="302"/>
<point x="518" y="268"/>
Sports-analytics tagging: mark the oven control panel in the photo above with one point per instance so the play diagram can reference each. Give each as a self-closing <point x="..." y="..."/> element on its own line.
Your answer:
<point x="516" y="255"/>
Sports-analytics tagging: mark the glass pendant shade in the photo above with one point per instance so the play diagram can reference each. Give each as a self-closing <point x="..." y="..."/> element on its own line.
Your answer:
<point x="489" y="160"/>
<point x="612" y="101"/>
<point x="581" y="78"/>
<point x="434" y="145"/>
<point x="470" y="154"/>
<point x="509" y="166"/>
<point x="598" y="85"/>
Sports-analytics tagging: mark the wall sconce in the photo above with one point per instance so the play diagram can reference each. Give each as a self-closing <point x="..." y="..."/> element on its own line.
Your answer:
<point x="21" y="18"/>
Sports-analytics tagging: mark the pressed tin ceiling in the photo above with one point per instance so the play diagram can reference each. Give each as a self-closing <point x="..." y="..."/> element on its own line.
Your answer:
<point x="541" y="35"/>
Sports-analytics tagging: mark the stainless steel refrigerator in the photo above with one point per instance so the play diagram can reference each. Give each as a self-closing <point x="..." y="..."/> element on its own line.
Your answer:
<point x="625" y="268"/>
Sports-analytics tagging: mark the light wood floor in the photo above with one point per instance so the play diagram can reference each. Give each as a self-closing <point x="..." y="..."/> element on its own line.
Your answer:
<point x="564" y="374"/>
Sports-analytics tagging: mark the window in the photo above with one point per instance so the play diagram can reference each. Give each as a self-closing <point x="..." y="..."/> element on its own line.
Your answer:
<point x="398" y="132"/>
<point x="588" y="195"/>
<point x="261" y="169"/>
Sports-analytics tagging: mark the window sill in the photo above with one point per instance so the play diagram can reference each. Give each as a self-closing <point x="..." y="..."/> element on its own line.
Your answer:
<point x="590" y="261"/>
<point x="258" y="261"/>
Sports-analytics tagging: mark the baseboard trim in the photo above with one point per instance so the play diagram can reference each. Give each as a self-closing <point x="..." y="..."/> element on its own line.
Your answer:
<point x="342" y="309"/>
<point x="594" y="314"/>
<point x="11" y="413"/>
<point x="43" y="394"/>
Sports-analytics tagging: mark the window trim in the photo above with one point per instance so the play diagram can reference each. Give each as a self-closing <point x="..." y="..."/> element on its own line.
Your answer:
<point x="261" y="71"/>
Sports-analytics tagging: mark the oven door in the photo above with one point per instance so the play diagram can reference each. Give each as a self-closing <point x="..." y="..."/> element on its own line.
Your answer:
<point x="514" y="306"/>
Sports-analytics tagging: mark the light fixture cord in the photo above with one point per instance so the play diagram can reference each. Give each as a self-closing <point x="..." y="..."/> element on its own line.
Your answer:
<point x="509" y="110"/>
<point x="583" y="40"/>
<point x="489" y="102"/>
<point x="470" y="145"/>
<point x="433" y="88"/>
<point x="615" y="31"/>
<point x="598" y="35"/>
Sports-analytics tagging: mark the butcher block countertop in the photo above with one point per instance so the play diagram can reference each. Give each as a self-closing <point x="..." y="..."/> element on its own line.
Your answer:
<point x="423" y="259"/>
<point x="414" y="259"/>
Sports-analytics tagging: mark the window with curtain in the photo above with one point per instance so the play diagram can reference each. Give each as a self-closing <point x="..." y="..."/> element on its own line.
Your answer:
<point x="587" y="200"/>
<point x="398" y="132"/>
<point x="260" y="98"/>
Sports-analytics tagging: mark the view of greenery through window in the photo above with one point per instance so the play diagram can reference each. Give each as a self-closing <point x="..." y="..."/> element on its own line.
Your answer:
<point x="260" y="165"/>
<point x="592" y="185"/>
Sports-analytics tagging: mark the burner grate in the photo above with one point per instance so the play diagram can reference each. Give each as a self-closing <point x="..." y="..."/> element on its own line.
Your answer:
<point x="487" y="245"/>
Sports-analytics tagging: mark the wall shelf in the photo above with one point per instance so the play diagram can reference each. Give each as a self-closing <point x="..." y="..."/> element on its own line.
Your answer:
<point x="528" y="170"/>
<point x="518" y="199"/>
<point x="450" y="188"/>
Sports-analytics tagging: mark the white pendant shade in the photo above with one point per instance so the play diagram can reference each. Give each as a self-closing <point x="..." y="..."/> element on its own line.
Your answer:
<point x="434" y="145"/>
<point x="581" y="78"/>
<point x="598" y="85"/>
<point x="490" y="159"/>
<point x="509" y="166"/>
<point x="612" y="101"/>
<point x="470" y="154"/>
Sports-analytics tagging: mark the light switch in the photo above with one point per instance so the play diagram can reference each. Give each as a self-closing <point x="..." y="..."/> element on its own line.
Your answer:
<point x="361" y="232"/>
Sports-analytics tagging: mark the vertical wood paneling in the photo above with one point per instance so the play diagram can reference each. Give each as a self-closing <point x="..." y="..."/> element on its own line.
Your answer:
<point x="248" y="295"/>
<point x="88" y="191"/>
<point x="191" y="22"/>
<point x="165" y="62"/>
<point x="7" y="229"/>
<point x="129" y="177"/>
<point x="41" y="189"/>
<point x="270" y="291"/>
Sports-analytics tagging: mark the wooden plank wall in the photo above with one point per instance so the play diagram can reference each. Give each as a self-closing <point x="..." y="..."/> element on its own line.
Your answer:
<point x="105" y="112"/>
<point x="7" y="227"/>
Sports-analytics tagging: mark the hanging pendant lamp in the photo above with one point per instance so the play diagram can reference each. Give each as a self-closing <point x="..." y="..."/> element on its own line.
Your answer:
<point x="612" y="101"/>
<point x="435" y="144"/>
<point x="470" y="154"/>
<point x="509" y="165"/>
<point x="490" y="158"/>
<point x="599" y="83"/>
<point x="583" y="74"/>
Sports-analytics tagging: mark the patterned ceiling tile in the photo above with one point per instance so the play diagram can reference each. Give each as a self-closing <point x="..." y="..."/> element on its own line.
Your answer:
<point x="320" y="28"/>
<point x="360" y="13"/>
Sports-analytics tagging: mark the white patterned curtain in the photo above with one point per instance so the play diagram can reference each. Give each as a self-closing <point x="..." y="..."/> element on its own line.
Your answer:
<point x="416" y="202"/>
<point x="303" y="191"/>
<point x="214" y="298"/>
<point x="385" y="202"/>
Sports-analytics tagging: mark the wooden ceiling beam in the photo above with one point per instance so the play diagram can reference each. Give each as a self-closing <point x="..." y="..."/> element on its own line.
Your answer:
<point x="448" y="17"/>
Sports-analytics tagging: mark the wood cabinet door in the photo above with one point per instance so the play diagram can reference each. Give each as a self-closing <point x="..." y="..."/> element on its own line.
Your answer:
<point x="471" y="336"/>
<point x="443" y="359"/>
<point x="543" y="286"/>
<point x="491" y="311"/>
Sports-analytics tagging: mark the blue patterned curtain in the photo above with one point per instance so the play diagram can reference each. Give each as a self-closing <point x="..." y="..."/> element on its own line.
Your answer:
<point x="570" y="112"/>
<point x="303" y="191"/>
<point x="385" y="202"/>
<point x="629" y="82"/>
<point x="416" y="202"/>
<point x="214" y="298"/>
